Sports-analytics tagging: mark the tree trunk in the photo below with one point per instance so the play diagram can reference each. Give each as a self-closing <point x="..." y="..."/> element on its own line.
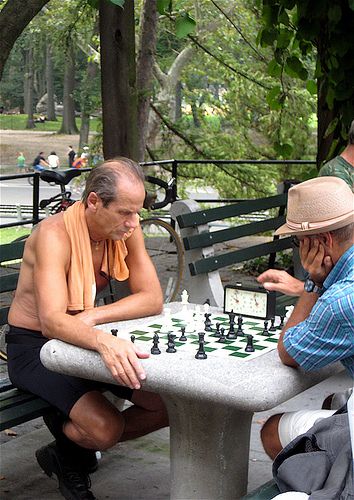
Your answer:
<point x="118" y="80"/>
<point x="144" y="69"/>
<point x="86" y="104"/>
<point x="68" y="124"/>
<point x="29" y="100"/>
<point x="14" y="17"/>
<point x="50" y="85"/>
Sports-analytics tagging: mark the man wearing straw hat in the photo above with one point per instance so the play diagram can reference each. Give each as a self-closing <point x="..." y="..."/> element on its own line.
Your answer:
<point x="320" y="330"/>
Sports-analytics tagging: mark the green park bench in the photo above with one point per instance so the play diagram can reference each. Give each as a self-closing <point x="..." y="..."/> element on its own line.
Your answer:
<point x="204" y="255"/>
<point x="16" y="406"/>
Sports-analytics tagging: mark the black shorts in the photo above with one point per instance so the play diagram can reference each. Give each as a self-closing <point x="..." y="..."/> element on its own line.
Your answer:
<point x="28" y="373"/>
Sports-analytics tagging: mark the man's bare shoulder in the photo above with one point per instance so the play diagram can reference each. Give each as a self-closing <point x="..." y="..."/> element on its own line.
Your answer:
<point x="50" y="231"/>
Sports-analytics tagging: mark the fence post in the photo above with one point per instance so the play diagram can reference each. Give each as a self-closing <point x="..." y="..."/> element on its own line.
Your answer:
<point x="35" y="210"/>
<point x="19" y="213"/>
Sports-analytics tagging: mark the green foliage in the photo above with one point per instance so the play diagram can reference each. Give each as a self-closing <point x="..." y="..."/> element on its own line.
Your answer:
<point x="185" y="25"/>
<point x="18" y="122"/>
<point x="297" y="29"/>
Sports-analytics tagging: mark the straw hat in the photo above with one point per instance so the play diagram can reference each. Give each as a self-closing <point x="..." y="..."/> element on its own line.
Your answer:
<point x="318" y="205"/>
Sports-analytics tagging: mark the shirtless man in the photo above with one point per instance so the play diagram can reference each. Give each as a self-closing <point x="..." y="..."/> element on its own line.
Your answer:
<point x="54" y="299"/>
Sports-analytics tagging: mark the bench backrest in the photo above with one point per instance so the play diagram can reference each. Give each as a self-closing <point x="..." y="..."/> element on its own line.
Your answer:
<point x="204" y="238"/>
<point x="203" y="261"/>
<point x="10" y="259"/>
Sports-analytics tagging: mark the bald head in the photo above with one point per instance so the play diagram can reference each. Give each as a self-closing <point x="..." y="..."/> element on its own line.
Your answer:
<point x="104" y="179"/>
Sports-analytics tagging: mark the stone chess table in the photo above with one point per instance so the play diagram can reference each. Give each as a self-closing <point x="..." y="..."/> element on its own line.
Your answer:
<point x="210" y="403"/>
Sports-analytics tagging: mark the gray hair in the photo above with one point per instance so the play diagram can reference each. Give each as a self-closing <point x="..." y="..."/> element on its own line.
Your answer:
<point x="104" y="179"/>
<point x="343" y="234"/>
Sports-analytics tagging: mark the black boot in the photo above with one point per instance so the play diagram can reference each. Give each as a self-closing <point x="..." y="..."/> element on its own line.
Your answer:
<point x="85" y="459"/>
<point x="73" y="485"/>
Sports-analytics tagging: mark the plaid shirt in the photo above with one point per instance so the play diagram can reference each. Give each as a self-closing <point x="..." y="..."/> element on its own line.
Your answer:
<point x="327" y="335"/>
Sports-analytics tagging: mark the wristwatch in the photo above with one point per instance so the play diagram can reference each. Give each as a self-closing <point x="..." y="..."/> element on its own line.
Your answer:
<point x="310" y="286"/>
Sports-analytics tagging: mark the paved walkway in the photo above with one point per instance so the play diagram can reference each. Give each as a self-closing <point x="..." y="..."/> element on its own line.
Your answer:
<point x="135" y="470"/>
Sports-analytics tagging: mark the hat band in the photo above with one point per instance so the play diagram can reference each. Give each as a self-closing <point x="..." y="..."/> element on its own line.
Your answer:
<point x="306" y="226"/>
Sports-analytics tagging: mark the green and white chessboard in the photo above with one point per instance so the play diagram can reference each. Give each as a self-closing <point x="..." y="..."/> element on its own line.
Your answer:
<point x="233" y="348"/>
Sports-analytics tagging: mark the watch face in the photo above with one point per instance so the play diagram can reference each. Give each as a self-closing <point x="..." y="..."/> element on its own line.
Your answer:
<point x="309" y="285"/>
<point x="246" y="301"/>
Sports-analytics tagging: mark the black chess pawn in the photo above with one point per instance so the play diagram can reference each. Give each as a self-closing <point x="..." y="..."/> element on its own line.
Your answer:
<point x="171" y="343"/>
<point x="272" y="328"/>
<point x="222" y="339"/>
<point x="249" y="347"/>
<point x="114" y="332"/>
<point x="217" y="331"/>
<point x="207" y="322"/>
<point x="201" y="354"/>
<point x="155" y="346"/>
<point x="183" y="337"/>
<point x="265" y="330"/>
<point x="132" y="338"/>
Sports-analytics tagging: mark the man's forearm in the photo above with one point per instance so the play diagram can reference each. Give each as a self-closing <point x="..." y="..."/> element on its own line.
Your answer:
<point x="300" y="313"/>
<point x="136" y="305"/>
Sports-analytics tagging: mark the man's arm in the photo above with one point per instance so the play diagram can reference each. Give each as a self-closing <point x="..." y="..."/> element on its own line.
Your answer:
<point x="318" y="265"/>
<point x="146" y="296"/>
<point x="52" y="254"/>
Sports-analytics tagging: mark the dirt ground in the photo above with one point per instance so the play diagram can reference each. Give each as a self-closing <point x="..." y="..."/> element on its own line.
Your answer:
<point x="31" y="143"/>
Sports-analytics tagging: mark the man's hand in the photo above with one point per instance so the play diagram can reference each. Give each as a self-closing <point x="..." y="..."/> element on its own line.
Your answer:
<point x="281" y="281"/>
<point x="314" y="259"/>
<point x="121" y="358"/>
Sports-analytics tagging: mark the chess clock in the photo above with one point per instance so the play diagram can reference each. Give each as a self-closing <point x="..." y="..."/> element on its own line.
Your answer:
<point x="251" y="301"/>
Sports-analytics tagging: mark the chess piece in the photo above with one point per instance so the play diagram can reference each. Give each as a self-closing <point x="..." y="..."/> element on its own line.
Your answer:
<point x="201" y="354"/>
<point x="132" y="338"/>
<point x="171" y="343"/>
<point x="231" y="334"/>
<point x="265" y="331"/>
<point x="155" y="347"/>
<point x="249" y="347"/>
<point x="222" y="339"/>
<point x="240" y="331"/>
<point x="217" y="331"/>
<point x="183" y="337"/>
<point x="272" y="328"/>
<point x="114" y="332"/>
<point x="281" y="324"/>
<point x="207" y="322"/>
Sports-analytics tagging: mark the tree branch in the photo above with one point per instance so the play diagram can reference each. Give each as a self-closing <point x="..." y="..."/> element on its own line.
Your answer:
<point x="14" y="18"/>
<point x="239" y="31"/>
<point x="226" y="65"/>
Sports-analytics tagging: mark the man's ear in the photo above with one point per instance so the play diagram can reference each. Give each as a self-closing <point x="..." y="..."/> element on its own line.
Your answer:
<point x="93" y="201"/>
<point x="326" y="239"/>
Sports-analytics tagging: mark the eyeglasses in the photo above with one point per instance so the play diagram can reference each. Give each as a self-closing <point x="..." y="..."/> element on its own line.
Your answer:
<point x="295" y="241"/>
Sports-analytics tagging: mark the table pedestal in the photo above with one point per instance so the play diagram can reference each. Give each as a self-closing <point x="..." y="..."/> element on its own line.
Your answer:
<point x="209" y="449"/>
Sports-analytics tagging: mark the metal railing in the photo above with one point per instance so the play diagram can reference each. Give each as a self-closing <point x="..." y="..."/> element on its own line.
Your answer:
<point x="173" y="165"/>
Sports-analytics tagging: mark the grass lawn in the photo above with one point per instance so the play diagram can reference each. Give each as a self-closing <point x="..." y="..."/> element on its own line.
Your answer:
<point x="18" y="122"/>
<point x="8" y="234"/>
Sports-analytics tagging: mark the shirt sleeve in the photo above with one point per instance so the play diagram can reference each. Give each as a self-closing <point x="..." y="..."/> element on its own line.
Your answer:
<point x="326" y="336"/>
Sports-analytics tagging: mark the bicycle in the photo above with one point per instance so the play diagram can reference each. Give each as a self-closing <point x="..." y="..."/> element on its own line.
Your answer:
<point x="162" y="242"/>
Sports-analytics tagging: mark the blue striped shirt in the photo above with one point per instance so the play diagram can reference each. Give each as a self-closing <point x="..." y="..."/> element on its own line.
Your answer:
<point x="327" y="335"/>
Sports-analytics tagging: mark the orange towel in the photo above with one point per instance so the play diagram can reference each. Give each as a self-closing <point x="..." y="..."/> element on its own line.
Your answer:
<point x="81" y="277"/>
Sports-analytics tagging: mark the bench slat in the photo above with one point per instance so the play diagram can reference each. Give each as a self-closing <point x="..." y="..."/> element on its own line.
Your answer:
<point x="210" y="238"/>
<point x="243" y="207"/>
<point x="8" y="282"/>
<point x="14" y="397"/>
<point x="12" y="251"/>
<point x="226" y="259"/>
<point x="23" y="413"/>
<point x="4" y="312"/>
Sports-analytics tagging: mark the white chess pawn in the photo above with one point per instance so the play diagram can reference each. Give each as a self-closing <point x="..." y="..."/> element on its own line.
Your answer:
<point x="184" y="297"/>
